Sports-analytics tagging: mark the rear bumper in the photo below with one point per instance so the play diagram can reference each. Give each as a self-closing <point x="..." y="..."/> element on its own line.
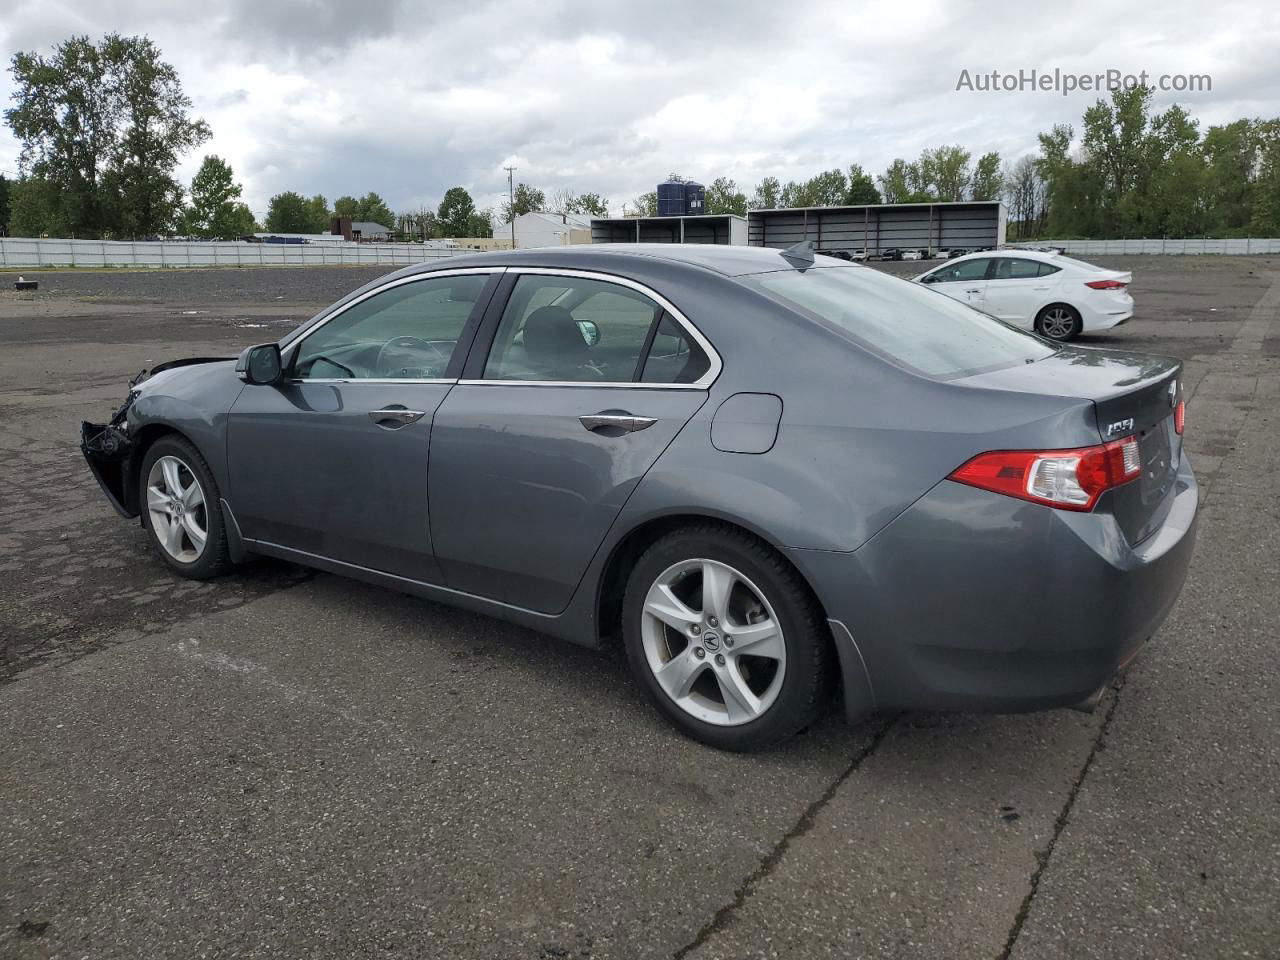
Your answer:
<point x="1106" y="314"/>
<point x="974" y="601"/>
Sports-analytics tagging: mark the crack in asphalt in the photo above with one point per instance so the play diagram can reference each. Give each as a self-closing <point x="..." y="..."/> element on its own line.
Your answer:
<point x="1060" y="824"/>
<point x="766" y="866"/>
<point x="1247" y="341"/>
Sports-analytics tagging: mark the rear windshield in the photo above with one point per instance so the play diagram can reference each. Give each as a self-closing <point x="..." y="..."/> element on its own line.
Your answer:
<point x="910" y="324"/>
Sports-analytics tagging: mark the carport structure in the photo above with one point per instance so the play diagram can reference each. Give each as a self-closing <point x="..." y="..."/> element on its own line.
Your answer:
<point x="978" y="224"/>
<point x="703" y="228"/>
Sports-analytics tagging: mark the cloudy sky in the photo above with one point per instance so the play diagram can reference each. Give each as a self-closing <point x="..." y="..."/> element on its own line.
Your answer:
<point x="410" y="98"/>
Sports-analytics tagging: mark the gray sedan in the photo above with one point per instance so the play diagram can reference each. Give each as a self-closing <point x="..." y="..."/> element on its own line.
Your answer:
<point x="769" y="475"/>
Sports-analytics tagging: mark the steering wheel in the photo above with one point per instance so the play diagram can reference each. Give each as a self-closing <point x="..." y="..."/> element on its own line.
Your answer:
<point x="407" y="343"/>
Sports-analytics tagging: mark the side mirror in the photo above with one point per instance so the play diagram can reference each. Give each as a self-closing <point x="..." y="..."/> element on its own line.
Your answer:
<point x="931" y="278"/>
<point x="260" y="365"/>
<point x="590" y="332"/>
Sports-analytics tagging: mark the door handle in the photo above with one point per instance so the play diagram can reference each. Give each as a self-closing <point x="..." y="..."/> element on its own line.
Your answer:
<point x="621" y="421"/>
<point x="398" y="414"/>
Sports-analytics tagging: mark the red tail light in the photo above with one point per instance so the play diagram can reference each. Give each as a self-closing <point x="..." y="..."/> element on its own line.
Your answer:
<point x="1106" y="284"/>
<point x="1180" y="416"/>
<point x="1065" y="479"/>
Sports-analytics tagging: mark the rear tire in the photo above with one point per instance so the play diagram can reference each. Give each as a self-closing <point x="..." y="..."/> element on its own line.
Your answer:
<point x="181" y="511"/>
<point x="740" y="656"/>
<point x="1060" y="322"/>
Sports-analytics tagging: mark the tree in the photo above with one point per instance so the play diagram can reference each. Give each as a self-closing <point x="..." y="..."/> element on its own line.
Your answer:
<point x="862" y="188"/>
<point x="215" y="211"/>
<point x="35" y="208"/>
<point x="723" y="196"/>
<point x="589" y="205"/>
<point x="1023" y="192"/>
<point x="289" y="212"/>
<point x="564" y="201"/>
<point x="944" y="172"/>
<point x="768" y="195"/>
<point x="525" y="199"/>
<point x="371" y="208"/>
<point x="456" y="213"/>
<point x="646" y="205"/>
<point x="318" y="215"/>
<point x="480" y="224"/>
<point x="347" y="207"/>
<point x="985" y="184"/>
<point x="106" y="124"/>
<point x="902" y="182"/>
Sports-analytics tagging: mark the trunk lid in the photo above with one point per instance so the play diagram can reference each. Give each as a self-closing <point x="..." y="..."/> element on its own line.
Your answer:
<point x="1133" y="394"/>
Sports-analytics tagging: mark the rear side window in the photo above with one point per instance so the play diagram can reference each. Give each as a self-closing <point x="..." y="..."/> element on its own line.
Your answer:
<point x="1016" y="268"/>
<point x="1046" y="269"/>
<point x="909" y="324"/>
<point x="581" y="330"/>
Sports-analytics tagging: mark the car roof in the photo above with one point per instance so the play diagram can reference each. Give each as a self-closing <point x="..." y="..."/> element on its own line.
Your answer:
<point x="729" y="261"/>
<point x="1014" y="253"/>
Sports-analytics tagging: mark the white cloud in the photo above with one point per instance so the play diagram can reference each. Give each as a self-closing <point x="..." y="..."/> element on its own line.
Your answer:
<point x="409" y="99"/>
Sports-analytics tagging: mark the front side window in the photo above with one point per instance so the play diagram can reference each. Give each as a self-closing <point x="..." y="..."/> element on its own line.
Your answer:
<point x="580" y="330"/>
<point x="911" y="325"/>
<point x="964" y="270"/>
<point x="408" y="332"/>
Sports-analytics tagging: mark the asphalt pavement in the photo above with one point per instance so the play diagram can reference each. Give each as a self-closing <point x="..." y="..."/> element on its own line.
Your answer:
<point x="287" y="764"/>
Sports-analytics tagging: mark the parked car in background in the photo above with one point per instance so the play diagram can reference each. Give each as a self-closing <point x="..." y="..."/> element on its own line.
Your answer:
<point x="912" y="255"/>
<point x="583" y="440"/>
<point x="858" y="255"/>
<point x="891" y="253"/>
<point x="838" y="254"/>
<point x="956" y="252"/>
<point x="1056" y="296"/>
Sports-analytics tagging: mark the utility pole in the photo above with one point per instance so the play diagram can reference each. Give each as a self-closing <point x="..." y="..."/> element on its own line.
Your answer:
<point x="511" y="196"/>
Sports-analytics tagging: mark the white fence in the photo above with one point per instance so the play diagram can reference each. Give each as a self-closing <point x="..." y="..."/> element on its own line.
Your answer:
<point x="1109" y="248"/>
<point x="22" y="252"/>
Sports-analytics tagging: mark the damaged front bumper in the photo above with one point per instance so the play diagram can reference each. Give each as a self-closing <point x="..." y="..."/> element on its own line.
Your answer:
<point x="109" y="451"/>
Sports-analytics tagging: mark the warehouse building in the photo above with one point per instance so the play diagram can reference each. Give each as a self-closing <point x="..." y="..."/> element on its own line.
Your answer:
<point x="545" y="230"/>
<point x="705" y="228"/>
<point x="874" y="228"/>
<point x="870" y="229"/>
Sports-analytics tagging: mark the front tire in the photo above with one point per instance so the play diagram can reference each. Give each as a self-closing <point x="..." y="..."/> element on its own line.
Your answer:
<point x="181" y="510"/>
<point x="726" y="638"/>
<point x="1059" y="322"/>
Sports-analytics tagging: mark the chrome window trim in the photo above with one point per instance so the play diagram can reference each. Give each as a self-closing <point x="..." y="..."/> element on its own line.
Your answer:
<point x="375" y="380"/>
<point x="302" y="333"/>
<point x="702" y="383"/>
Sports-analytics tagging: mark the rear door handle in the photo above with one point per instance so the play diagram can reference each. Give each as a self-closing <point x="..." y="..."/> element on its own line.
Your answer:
<point x="399" y="415"/>
<point x="621" y="421"/>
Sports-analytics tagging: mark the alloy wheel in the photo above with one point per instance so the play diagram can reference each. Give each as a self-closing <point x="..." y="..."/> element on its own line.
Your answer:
<point x="1058" y="323"/>
<point x="713" y="642"/>
<point x="175" y="502"/>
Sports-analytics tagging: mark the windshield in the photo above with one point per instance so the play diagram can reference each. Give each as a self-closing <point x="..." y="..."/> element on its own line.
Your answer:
<point x="912" y="325"/>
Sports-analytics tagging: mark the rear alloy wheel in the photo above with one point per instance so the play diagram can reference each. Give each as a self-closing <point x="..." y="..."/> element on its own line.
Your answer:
<point x="1059" y="322"/>
<point x="180" y="508"/>
<point x="725" y="638"/>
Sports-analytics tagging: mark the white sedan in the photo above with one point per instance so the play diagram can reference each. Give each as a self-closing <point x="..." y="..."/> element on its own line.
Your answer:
<point x="1055" y="295"/>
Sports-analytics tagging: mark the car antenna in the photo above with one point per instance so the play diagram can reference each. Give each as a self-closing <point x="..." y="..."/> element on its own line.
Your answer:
<point x="800" y="256"/>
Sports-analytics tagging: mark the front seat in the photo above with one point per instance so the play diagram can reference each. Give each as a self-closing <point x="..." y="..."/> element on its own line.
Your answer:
<point x="554" y="345"/>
